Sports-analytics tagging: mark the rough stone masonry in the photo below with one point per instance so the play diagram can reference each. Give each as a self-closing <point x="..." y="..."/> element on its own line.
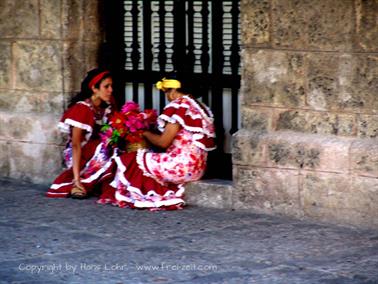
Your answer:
<point x="308" y="146"/>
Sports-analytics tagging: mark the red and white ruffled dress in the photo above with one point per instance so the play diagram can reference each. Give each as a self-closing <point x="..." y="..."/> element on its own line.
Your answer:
<point x="149" y="180"/>
<point x="95" y="159"/>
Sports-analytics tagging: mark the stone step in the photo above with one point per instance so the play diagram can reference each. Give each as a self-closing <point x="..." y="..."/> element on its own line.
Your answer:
<point x="320" y="177"/>
<point x="211" y="193"/>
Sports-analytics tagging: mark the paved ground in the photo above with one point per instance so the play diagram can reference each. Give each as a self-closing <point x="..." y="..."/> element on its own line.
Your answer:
<point x="76" y="241"/>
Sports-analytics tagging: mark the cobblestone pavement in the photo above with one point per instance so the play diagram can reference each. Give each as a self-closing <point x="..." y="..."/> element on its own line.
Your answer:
<point x="77" y="241"/>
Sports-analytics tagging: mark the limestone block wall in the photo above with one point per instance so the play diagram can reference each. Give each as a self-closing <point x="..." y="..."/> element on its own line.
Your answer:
<point x="46" y="46"/>
<point x="308" y="146"/>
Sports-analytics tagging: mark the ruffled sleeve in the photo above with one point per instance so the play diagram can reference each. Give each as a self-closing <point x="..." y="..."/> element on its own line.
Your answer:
<point x="79" y="115"/>
<point x="192" y="118"/>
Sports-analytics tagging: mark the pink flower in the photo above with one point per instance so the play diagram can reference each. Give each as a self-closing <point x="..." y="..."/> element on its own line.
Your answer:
<point x="130" y="106"/>
<point x="128" y="125"/>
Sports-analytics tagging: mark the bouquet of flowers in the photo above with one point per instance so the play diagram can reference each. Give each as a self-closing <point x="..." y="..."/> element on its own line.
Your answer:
<point x="125" y="128"/>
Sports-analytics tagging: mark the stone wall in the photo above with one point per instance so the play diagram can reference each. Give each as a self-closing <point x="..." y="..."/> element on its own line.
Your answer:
<point x="46" y="47"/>
<point x="308" y="146"/>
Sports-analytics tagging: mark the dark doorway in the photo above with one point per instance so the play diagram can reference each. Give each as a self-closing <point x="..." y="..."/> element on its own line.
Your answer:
<point x="145" y="39"/>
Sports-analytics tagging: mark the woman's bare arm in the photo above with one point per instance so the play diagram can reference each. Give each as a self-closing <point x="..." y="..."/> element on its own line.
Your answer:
<point x="76" y="154"/>
<point x="165" y="139"/>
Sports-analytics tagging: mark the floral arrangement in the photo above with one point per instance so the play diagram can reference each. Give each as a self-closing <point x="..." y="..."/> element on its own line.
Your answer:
<point x="127" y="126"/>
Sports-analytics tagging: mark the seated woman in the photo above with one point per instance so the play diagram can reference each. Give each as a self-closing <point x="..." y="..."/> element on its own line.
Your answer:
<point x="82" y="121"/>
<point x="155" y="180"/>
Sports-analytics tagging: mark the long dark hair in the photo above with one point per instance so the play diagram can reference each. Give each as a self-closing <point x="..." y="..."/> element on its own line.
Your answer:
<point x="86" y="91"/>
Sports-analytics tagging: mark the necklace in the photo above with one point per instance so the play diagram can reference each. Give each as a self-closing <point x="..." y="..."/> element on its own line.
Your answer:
<point x="97" y="110"/>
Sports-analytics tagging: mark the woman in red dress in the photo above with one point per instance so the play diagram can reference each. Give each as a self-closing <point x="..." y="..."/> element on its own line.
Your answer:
<point x="155" y="180"/>
<point x="85" y="158"/>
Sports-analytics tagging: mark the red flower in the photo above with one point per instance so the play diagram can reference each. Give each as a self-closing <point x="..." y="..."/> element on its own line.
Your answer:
<point x="128" y="125"/>
<point x="117" y="120"/>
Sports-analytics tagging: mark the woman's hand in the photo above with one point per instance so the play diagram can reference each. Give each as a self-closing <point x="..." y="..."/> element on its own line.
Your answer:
<point x="165" y="139"/>
<point x="78" y="184"/>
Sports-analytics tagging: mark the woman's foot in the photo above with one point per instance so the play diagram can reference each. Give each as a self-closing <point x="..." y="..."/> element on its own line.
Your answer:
<point x="78" y="193"/>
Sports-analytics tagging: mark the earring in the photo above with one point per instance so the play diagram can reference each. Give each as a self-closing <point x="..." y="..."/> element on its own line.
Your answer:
<point x="95" y="96"/>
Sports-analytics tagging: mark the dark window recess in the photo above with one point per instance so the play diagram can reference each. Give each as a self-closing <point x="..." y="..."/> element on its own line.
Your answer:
<point x="145" y="39"/>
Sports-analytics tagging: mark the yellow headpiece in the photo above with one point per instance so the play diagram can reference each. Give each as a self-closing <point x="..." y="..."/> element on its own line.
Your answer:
<point x="164" y="84"/>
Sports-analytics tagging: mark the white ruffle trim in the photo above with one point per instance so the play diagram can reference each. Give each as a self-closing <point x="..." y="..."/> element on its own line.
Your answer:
<point x="174" y="104"/>
<point x="198" y="131"/>
<point x="175" y="200"/>
<point x="145" y="167"/>
<point x="176" y="118"/>
<point x="120" y="178"/>
<point x="59" y="185"/>
<point x="102" y="170"/>
<point x="91" y="178"/>
<point x="163" y="119"/>
<point x="203" y="147"/>
<point x="68" y="123"/>
<point x="84" y="103"/>
<point x="57" y="193"/>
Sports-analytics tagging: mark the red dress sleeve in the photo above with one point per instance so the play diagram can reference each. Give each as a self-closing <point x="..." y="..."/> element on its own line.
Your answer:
<point x="79" y="115"/>
<point x="193" y="118"/>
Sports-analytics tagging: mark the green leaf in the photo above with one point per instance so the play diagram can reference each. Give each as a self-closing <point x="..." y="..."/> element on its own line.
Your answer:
<point x="105" y="127"/>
